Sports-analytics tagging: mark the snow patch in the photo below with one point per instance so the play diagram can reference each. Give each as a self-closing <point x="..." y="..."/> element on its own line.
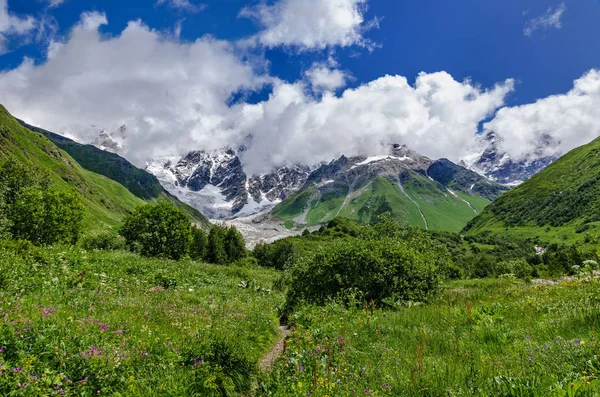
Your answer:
<point x="374" y="159"/>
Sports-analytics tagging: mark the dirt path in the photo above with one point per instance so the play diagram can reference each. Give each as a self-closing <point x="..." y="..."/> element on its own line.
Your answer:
<point x="267" y="362"/>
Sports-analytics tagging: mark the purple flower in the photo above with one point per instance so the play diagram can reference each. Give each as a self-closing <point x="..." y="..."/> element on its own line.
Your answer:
<point x="18" y="369"/>
<point x="367" y="390"/>
<point x="1" y="350"/>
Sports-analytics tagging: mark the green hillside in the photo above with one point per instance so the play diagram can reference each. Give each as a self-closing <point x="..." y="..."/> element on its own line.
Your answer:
<point x="138" y="181"/>
<point x="413" y="199"/>
<point x="561" y="203"/>
<point x="105" y="201"/>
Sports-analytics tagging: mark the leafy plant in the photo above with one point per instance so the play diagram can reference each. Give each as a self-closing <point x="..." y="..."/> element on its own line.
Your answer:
<point x="158" y="230"/>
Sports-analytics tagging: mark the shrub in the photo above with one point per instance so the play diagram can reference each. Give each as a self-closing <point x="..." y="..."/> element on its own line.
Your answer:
<point x="519" y="267"/>
<point x="33" y="209"/>
<point x="104" y="241"/>
<point x="215" y="252"/>
<point x="158" y="230"/>
<point x="279" y="255"/>
<point x="198" y="245"/>
<point x="380" y="269"/>
<point x="164" y="281"/>
<point x="234" y="244"/>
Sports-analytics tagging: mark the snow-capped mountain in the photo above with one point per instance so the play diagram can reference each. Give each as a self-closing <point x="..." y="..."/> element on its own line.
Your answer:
<point x="494" y="163"/>
<point x="216" y="183"/>
<point x="414" y="189"/>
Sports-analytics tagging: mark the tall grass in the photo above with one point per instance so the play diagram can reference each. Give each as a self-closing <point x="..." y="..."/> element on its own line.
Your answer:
<point x="486" y="337"/>
<point x="111" y="323"/>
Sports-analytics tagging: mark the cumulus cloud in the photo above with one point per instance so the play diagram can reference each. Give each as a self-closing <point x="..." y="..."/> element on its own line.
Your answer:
<point x="182" y="5"/>
<point x="175" y="96"/>
<point x="168" y="94"/>
<point x="551" y="19"/>
<point x="310" y="24"/>
<point x="13" y="26"/>
<point x="437" y="116"/>
<point x="568" y="121"/>
<point x="325" y="78"/>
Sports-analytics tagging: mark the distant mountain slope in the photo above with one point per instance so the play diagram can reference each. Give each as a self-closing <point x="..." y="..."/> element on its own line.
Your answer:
<point x="105" y="201"/>
<point x="560" y="203"/>
<point x="139" y="182"/>
<point x="436" y="195"/>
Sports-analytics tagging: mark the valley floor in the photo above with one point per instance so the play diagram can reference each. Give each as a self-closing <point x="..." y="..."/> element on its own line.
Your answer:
<point x="111" y="323"/>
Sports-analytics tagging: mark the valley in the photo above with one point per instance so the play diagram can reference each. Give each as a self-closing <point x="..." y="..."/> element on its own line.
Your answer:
<point x="387" y="275"/>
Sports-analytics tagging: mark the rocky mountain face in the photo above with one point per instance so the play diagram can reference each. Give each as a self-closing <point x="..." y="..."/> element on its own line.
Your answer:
<point x="497" y="165"/>
<point x="216" y="183"/>
<point x="432" y="194"/>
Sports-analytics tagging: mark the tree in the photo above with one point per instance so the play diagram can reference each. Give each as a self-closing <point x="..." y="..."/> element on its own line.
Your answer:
<point x="235" y="246"/>
<point x="215" y="252"/>
<point x="34" y="209"/>
<point x="198" y="247"/>
<point x="158" y="230"/>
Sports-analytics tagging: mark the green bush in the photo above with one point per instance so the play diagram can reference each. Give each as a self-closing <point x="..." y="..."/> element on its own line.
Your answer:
<point x="35" y="210"/>
<point x="518" y="267"/>
<point x="108" y="240"/>
<point x="380" y="269"/>
<point x="158" y="230"/>
<point x="279" y="255"/>
<point x="234" y="244"/>
<point x="198" y="245"/>
<point x="215" y="250"/>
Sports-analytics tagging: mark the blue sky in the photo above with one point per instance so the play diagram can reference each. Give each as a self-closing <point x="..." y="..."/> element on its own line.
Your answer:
<point x="543" y="45"/>
<point x="482" y="40"/>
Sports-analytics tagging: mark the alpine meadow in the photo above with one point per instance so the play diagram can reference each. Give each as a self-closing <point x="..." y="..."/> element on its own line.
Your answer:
<point x="283" y="198"/>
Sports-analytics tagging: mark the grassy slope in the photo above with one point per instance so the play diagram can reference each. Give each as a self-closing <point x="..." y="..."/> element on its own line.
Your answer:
<point x="139" y="182"/>
<point x="442" y="210"/>
<point x="106" y="201"/>
<point x="484" y="337"/>
<point x="147" y="341"/>
<point x="552" y="205"/>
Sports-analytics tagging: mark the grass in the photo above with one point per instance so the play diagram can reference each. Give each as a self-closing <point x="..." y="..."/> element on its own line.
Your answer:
<point x="113" y="323"/>
<point x="79" y="323"/>
<point x="485" y="337"/>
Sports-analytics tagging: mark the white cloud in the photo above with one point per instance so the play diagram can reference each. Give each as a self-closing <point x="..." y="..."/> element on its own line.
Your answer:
<point x="173" y="97"/>
<point x="55" y="3"/>
<point x="568" y="120"/>
<point x="169" y="94"/>
<point x="11" y="25"/>
<point x="438" y="117"/>
<point x="551" y="19"/>
<point x="182" y="5"/>
<point x="324" y="78"/>
<point x="310" y="24"/>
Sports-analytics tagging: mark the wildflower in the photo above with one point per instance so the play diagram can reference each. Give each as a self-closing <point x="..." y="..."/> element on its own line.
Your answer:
<point x="367" y="390"/>
<point x="17" y="369"/>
